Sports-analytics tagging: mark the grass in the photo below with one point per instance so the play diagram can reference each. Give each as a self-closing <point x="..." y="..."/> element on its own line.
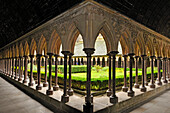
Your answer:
<point x="102" y="75"/>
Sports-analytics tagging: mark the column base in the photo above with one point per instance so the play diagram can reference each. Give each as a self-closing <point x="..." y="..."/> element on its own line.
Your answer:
<point x="108" y="92"/>
<point x="45" y="84"/>
<point x="30" y="84"/>
<point x="55" y="88"/>
<point x="38" y="87"/>
<point x="136" y="85"/>
<point x="165" y="81"/>
<point x="19" y="79"/>
<point x="36" y="81"/>
<point x="131" y="93"/>
<point x="159" y="83"/>
<point x="113" y="99"/>
<point x="24" y="81"/>
<point x="143" y="89"/>
<point x="70" y="92"/>
<point x="152" y="85"/>
<point x="88" y="108"/>
<point x="15" y="77"/>
<point x="146" y="83"/>
<point x="64" y="99"/>
<point x="91" y="101"/>
<point x="124" y="89"/>
<point x="49" y="92"/>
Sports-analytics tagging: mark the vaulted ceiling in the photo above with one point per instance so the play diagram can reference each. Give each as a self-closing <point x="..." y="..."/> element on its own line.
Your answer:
<point x="18" y="17"/>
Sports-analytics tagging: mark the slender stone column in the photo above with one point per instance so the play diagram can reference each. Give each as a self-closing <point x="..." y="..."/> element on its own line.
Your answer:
<point x="56" y="87"/>
<point x="19" y="71"/>
<point x="49" y="91"/>
<point x="39" y="87"/>
<point x="109" y="82"/>
<point x="70" y="91"/>
<point x="65" y="96"/>
<point x="113" y="97"/>
<point x="131" y="92"/>
<point x="88" y="106"/>
<point x="31" y="71"/>
<point x="152" y="85"/>
<point x="164" y="70"/>
<point x="145" y="68"/>
<point x="125" y="88"/>
<point x="136" y="85"/>
<point x="25" y="71"/>
<point x="7" y="66"/>
<point x="45" y="84"/>
<point x="22" y="65"/>
<point x="16" y="76"/>
<point x="168" y="69"/>
<point x="143" y="88"/>
<point x="159" y="71"/>
<point x="12" y="68"/>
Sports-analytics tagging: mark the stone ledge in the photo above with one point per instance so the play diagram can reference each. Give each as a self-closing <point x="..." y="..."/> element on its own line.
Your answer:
<point x="136" y="101"/>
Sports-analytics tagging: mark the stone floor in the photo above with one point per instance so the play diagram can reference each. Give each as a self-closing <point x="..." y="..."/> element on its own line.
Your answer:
<point x="12" y="100"/>
<point x="160" y="104"/>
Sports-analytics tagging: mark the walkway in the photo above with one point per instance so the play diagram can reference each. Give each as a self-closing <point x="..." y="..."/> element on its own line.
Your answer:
<point x="160" y="104"/>
<point x="12" y="100"/>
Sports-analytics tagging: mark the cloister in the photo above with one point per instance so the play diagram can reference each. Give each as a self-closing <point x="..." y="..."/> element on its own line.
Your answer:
<point x="88" y="19"/>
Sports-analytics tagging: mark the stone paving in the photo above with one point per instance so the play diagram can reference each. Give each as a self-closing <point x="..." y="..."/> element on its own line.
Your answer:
<point x="12" y="100"/>
<point x="160" y="104"/>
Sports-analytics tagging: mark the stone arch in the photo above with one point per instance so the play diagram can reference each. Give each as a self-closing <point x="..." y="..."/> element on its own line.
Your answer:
<point x="164" y="51"/>
<point x="109" y="37"/>
<point x="157" y="49"/>
<point x="33" y="47"/>
<point x="16" y="50"/>
<point x="26" y="49"/>
<point x="139" y="47"/>
<point x="21" y="51"/>
<point x="54" y="43"/>
<point x="42" y="45"/>
<point x="149" y="46"/>
<point x="13" y="51"/>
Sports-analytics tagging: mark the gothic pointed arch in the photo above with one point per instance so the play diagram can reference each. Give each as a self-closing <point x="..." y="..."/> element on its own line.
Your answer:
<point x="33" y="47"/>
<point x="26" y="49"/>
<point x="42" y="45"/>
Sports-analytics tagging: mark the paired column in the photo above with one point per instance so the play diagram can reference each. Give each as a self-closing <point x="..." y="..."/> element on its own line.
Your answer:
<point x="16" y="76"/>
<point x="25" y="67"/>
<point x="65" y="97"/>
<point x="152" y="85"/>
<point x="125" y="88"/>
<point x="136" y="85"/>
<point x="109" y="82"/>
<point x="113" y="97"/>
<point x="56" y="87"/>
<point x="70" y="91"/>
<point x="50" y="91"/>
<point x="145" y="68"/>
<point x="45" y="84"/>
<point x="88" y="106"/>
<point x="164" y="70"/>
<point x="168" y="69"/>
<point x="19" y="71"/>
<point x="39" y="87"/>
<point x="159" y="71"/>
<point x="143" y="88"/>
<point x="12" y="67"/>
<point x="31" y="71"/>
<point x="131" y="92"/>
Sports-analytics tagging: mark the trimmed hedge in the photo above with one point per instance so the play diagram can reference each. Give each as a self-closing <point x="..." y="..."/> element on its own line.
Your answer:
<point x="74" y="68"/>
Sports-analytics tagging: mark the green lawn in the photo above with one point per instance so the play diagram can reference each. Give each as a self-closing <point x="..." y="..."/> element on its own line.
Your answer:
<point x="102" y="75"/>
